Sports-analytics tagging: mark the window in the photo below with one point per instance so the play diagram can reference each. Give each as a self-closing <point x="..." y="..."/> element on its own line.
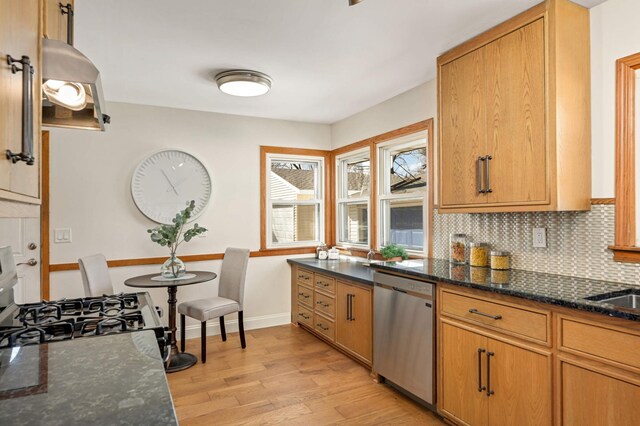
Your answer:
<point x="294" y="200"/>
<point x="353" y="173"/>
<point x="402" y="192"/>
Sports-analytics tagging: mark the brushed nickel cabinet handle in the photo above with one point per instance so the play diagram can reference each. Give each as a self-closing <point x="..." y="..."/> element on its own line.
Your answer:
<point x="480" y="352"/>
<point x="477" y="312"/>
<point x="27" y="110"/>
<point x="489" y="390"/>
<point x="487" y="182"/>
<point x="479" y="175"/>
<point x="68" y="10"/>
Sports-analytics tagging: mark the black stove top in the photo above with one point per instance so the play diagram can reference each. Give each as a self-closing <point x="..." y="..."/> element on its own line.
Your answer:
<point x="66" y="319"/>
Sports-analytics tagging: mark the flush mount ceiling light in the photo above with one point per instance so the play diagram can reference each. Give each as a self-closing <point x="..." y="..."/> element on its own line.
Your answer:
<point x="243" y="83"/>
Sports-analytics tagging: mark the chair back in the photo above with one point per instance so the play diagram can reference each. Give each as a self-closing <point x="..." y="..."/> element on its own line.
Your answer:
<point x="95" y="275"/>
<point x="233" y="274"/>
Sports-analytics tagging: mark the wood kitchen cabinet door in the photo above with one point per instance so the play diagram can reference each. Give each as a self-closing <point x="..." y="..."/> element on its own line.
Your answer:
<point x="521" y="381"/>
<point x="592" y="398"/>
<point x="55" y="22"/>
<point x="515" y="105"/>
<point x="354" y="321"/>
<point x="463" y="127"/>
<point x="463" y="371"/>
<point x="19" y="36"/>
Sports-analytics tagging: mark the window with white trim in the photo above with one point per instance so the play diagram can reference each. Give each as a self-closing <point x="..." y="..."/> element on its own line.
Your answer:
<point x="402" y="192"/>
<point x="353" y="179"/>
<point x="295" y="205"/>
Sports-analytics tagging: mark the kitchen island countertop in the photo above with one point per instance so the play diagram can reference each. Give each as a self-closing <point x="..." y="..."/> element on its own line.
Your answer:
<point x="106" y="380"/>
<point x="559" y="290"/>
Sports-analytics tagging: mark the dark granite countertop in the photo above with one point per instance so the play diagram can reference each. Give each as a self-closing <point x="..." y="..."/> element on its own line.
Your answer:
<point x="560" y="290"/>
<point x="108" y="380"/>
<point x="347" y="269"/>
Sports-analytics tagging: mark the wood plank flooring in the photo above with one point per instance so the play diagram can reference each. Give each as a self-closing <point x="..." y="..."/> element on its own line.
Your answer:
<point x="285" y="376"/>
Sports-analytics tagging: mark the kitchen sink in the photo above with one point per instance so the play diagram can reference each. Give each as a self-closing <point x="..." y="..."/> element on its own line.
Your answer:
<point x="629" y="298"/>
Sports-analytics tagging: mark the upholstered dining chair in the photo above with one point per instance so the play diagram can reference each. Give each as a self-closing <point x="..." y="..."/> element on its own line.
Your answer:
<point x="229" y="300"/>
<point x="95" y="275"/>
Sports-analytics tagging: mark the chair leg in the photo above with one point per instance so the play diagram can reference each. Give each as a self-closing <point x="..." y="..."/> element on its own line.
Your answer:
<point x="223" y="332"/>
<point x="241" y="324"/>
<point x="182" y="332"/>
<point x="203" y="340"/>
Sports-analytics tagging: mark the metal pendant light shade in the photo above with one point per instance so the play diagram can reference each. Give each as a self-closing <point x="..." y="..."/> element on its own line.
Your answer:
<point x="354" y="2"/>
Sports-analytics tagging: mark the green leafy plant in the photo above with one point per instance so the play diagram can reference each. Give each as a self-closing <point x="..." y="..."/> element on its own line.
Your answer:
<point x="392" y="250"/>
<point x="173" y="235"/>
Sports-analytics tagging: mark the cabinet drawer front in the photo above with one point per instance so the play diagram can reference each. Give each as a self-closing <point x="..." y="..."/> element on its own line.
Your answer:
<point x="326" y="284"/>
<point x="324" y="326"/>
<point x="519" y="321"/>
<point x="305" y="277"/>
<point x="305" y="296"/>
<point x="305" y="315"/>
<point x="604" y="343"/>
<point x="325" y="304"/>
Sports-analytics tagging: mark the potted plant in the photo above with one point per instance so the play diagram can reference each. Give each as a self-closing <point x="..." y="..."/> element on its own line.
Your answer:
<point x="393" y="253"/>
<point x="172" y="236"/>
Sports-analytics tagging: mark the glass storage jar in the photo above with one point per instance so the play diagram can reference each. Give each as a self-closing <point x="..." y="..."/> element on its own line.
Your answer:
<point x="479" y="254"/>
<point x="500" y="260"/>
<point x="458" y="248"/>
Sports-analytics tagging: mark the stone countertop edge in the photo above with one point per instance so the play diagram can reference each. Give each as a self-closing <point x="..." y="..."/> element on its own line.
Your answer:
<point x="110" y="379"/>
<point x="559" y="290"/>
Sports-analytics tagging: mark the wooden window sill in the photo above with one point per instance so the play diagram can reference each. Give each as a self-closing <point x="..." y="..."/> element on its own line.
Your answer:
<point x="625" y="254"/>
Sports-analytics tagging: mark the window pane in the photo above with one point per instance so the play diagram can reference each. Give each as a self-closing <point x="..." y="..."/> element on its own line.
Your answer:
<point x="408" y="170"/>
<point x="354" y="223"/>
<point x="294" y="180"/>
<point x="292" y="223"/>
<point x="403" y="224"/>
<point x="358" y="178"/>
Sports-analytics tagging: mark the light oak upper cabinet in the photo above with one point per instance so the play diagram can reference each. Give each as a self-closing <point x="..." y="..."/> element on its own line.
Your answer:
<point x="354" y="320"/>
<point x="57" y="15"/>
<point x="20" y="29"/>
<point x="514" y="115"/>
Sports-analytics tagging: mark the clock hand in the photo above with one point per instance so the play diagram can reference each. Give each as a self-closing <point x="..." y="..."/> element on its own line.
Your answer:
<point x="169" y="180"/>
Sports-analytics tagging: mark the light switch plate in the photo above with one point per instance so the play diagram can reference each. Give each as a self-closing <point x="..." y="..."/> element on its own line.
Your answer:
<point x="540" y="237"/>
<point x="62" y="235"/>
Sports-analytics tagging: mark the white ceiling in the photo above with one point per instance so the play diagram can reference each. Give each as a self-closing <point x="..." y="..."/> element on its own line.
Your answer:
<point x="328" y="60"/>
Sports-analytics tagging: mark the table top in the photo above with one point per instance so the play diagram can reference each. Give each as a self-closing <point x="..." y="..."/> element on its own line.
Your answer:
<point x="111" y="379"/>
<point x="146" y="281"/>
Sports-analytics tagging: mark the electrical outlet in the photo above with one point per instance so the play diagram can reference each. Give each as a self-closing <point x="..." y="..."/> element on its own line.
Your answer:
<point x="62" y="235"/>
<point x="540" y="237"/>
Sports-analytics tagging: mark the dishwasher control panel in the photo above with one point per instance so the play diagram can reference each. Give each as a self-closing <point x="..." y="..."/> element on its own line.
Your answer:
<point x="401" y="283"/>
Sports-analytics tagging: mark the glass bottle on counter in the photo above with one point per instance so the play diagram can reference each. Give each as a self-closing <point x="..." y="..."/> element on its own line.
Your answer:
<point x="479" y="254"/>
<point x="500" y="260"/>
<point x="458" y="248"/>
<point x="321" y="248"/>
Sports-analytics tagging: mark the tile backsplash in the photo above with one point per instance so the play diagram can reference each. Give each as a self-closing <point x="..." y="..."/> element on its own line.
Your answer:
<point x="576" y="241"/>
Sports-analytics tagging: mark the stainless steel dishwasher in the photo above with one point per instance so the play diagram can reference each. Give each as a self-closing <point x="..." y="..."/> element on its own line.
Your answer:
<point x="403" y="331"/>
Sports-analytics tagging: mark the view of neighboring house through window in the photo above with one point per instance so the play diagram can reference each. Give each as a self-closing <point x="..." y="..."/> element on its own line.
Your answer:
<point x="294" y="200"/>
<point x="354" y="182"/>
<point x="403" y="192"/>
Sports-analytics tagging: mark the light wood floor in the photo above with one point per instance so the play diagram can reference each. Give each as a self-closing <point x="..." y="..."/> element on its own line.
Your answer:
<point x="285" y="376"/>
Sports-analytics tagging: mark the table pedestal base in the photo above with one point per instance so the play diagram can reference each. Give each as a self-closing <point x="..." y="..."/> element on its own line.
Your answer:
<point x="180" y="361"/>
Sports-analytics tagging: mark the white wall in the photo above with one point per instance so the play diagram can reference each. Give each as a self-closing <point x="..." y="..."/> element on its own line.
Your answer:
<point x="614" y="33"/>
<point x="90" y="193"/>
<point x="417" y="104"/>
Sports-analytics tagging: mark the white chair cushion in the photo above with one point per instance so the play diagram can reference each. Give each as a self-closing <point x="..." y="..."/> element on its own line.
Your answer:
<point x="206" y="309"/>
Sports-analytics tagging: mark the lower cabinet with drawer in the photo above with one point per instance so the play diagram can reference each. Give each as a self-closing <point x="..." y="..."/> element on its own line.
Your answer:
<point x="486" y="376"/>
<point x="599" y="371"/>
<point x="340" y="312"/>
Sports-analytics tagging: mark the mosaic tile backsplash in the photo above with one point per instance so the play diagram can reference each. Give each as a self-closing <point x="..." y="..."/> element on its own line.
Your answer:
<point x="576" y="241"/>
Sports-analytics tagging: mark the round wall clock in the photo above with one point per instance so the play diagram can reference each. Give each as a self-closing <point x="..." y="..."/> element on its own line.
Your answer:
<point x="164" y="182"/>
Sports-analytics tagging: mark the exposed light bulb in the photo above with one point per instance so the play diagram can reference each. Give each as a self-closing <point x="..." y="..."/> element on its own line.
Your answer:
<point x="65" y="93"/>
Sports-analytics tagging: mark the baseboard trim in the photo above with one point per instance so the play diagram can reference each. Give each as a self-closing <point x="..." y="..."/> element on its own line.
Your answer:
<point x="231" y="326"/>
